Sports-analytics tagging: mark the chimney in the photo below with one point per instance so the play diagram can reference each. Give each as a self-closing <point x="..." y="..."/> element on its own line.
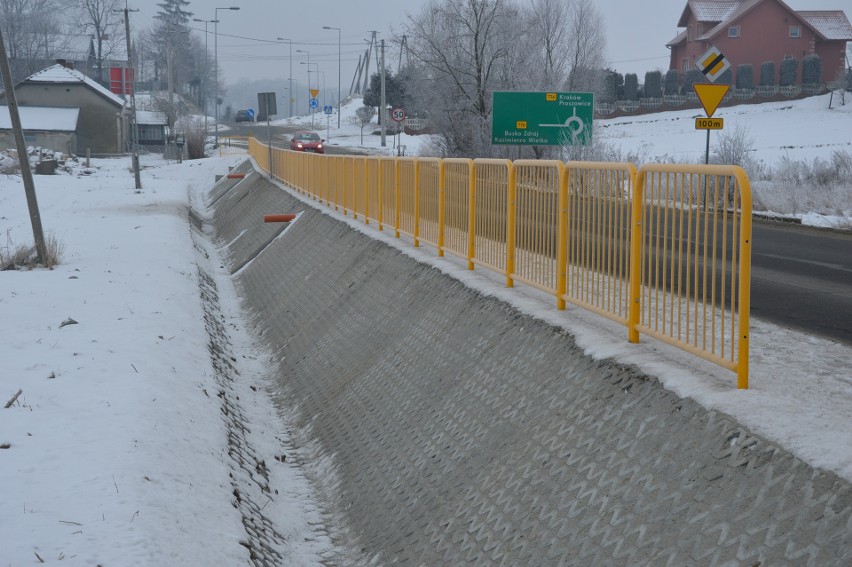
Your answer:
<point x="65" y="63"/>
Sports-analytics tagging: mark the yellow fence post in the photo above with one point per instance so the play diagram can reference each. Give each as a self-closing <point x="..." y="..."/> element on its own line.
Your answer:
<point x="562" y="239"/>
<point x="441" y="202"/>
<point x="416" y="202"/>
<point x="471" y="219"/>
<point x="396" y="198"/>
<point x="510" y="226"/>
<point x="636" y="234"/>
<point x="744" y="291"/>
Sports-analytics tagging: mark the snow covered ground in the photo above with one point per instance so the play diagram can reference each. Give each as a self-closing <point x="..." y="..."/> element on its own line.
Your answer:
<point x="114" y="453"/>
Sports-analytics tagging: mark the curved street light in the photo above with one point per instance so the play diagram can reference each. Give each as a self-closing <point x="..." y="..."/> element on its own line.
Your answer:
<point x="338" y="71"/>
<point x="290" y="43"/>
<point x="215" y="21"/>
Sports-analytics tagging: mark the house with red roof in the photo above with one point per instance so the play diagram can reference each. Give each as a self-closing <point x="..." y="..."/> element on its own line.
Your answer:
<point x="755" y="31"/>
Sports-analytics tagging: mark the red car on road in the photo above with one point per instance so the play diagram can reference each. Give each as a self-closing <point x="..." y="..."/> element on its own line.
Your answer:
<point x="307" y="142"/>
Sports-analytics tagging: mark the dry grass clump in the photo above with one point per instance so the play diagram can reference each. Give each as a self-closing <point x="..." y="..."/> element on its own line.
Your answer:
<point x="25" y="257"/>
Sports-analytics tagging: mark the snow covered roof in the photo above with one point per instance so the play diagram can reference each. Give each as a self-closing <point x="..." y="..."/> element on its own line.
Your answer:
<point x="151" y="118"/>
<point x="42" y="118"/>
<point x="712" y="10"/>
<point x="833" y="24"/>
<point x="57" y="74"/>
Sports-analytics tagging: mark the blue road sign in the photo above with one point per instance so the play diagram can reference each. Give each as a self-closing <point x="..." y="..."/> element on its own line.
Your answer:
<point x="328" y="109"/>
<point x="314" y="103"/>
<point x="250" y="112"/>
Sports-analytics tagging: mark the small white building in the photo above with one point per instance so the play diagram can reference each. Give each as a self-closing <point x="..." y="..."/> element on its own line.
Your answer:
<point x="46" y="127"/>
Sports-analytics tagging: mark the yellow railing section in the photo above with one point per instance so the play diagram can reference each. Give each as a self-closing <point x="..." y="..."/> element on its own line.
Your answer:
<point x="664" y="250"/>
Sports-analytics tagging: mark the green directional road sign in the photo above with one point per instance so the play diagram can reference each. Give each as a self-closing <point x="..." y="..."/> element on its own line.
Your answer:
<point x="542" y="118"/>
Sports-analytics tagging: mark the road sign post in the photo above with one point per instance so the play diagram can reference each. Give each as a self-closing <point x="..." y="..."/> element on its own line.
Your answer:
<point x="712" y="64"/>
<point x="542" y="118"/>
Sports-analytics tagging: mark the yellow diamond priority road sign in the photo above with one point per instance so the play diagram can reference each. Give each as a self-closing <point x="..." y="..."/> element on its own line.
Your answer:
<point x="712" y="64"/>
<point x="710" y="96"/>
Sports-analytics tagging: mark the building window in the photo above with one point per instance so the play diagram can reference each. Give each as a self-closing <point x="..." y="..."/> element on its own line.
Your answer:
<point x="150" y="133"/>
<point x="795" y="31"/>
<point x="734" y="31"/>
<point x="686" y="65"/>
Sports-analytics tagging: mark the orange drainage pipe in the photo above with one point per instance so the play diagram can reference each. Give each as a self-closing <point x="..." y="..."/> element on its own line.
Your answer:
<point x="279" y="218"/>
<point x="236" y="175"/>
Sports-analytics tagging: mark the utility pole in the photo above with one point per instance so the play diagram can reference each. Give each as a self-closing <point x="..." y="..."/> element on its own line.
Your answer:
<point x="382" y="117"/>
<point x="23" y="158"/>
<point x="367" y="61"/>
<point x="134" y="128"/>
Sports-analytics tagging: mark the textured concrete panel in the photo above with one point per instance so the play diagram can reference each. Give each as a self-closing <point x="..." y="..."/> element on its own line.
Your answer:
<point x="465" y="432"/>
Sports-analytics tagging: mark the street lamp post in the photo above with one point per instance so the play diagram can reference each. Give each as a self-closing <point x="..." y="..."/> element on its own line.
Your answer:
<point x="216" y="64"/>
<point x="308" y="53"/>
<point x="290" y="43"/>
<point x="338" y="71"/>
<point x="206" y="73"/>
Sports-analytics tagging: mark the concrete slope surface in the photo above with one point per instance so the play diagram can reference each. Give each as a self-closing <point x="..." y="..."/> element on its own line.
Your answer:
<point x="446" y="427"/>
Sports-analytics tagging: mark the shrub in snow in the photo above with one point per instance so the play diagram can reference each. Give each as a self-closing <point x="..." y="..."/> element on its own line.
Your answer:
<point x="672" y="82"/>
<point x="767" y="74"/>
<point x="733" y="146"/>
<point x="788" y="71"/>
<point x="612" y="85"/>
<point x="690" y="78"/>
<point x="812" y="70"/>
<point x="631" y="87"/>
<point x="653" y="84"/>
<point x="9" y="162"/>
<point x="745" y="76"/>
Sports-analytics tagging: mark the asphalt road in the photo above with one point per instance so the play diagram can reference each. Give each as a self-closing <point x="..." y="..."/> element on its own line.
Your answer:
<point x="802" y="278"/>
<point x="281" y="136"/>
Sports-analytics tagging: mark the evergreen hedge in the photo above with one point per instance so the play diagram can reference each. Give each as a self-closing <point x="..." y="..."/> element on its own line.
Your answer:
<point x="812" y="70"/>
<point x="631" y="86"/>
<point x="672" y="82"/>
<point x="653" y="84"/>
<point x="767" y="74"/>
<point x="788" y="70"/>
<point x="690" y="78"/>
<point x="745" y="76"/>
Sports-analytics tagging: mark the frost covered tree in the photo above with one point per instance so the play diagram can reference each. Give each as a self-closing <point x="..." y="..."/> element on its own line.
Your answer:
<point x="33" y="34"/>
<point x="462" y="48"/>
<point x="103" y="20"/>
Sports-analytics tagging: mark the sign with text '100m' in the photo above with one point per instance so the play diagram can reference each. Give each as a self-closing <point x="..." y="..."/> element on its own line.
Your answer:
<point x="542" y="118"/>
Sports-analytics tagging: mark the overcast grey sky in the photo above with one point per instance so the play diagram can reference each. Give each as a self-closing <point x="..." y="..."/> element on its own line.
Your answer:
<point x="637" y="32"/>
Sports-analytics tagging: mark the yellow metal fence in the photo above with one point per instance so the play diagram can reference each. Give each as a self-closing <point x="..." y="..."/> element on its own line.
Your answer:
<point x="664" y="250"/>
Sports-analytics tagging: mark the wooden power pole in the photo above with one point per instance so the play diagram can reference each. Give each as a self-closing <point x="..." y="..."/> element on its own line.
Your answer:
<point x="23" y="158"/>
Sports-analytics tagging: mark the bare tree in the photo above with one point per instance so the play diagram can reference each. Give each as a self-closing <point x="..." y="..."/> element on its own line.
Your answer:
<point x="363" y="116"/>
<point x="587" y="46"/>
<point x="31" y="30"/>
<point x="461" y="48"/>
<point x="103" y="20"/>
<point x="548" y="25"/>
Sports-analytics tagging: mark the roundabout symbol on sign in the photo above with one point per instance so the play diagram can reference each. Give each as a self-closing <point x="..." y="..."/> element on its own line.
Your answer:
<point x="314" y="103"/>
<point x="397" y="114"/>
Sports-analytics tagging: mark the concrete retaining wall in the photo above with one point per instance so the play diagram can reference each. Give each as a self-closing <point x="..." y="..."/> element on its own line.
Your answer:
<point x="463" y="431"/>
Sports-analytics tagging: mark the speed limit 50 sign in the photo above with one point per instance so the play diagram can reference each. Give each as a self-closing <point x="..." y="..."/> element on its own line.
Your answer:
<point x="397" y="114"/>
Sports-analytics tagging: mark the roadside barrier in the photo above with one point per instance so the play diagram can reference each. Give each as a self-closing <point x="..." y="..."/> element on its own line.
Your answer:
<point x="664" y="250"/>
<point x="233" y="145"/>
